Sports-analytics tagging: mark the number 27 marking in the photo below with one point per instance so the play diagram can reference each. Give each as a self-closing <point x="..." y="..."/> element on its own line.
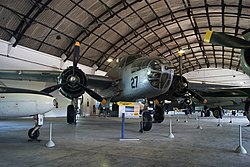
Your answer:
<point x="134" y="82"/>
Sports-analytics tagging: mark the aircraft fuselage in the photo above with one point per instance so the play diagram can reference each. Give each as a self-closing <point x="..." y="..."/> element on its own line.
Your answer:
<point x="144" y="77"/>
<point x="21" y="102"/>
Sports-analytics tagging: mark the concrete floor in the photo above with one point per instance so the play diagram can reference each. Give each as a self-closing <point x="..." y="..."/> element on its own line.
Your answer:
<point x="95" y="142"/>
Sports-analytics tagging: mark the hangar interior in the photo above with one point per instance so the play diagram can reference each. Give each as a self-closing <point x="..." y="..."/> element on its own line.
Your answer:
<point x="38" y="35"/>
<point x="109" y="29"/>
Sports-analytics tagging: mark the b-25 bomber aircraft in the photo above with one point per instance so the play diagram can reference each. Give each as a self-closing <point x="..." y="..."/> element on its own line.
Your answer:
<point x="134" y="77"/>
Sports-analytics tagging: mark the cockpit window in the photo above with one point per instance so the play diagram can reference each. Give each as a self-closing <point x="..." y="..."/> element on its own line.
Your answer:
<point x="130" y="59"/>
<point x="145" y="63"/>
<point x="136" y="66"/>
<point x="154" y="65"/>
<point x="122" y="62"/>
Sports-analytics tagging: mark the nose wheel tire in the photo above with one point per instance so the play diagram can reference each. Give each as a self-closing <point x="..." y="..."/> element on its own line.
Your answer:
<point x="71" y="114"/>
<point x="35" y="135"/>
<point x="147" y="121"/>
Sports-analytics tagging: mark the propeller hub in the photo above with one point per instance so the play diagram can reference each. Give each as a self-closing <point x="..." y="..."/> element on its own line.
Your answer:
<point x="73" y="80"/>
<point x="71" y="83"/>
<point x="180" y="85"/>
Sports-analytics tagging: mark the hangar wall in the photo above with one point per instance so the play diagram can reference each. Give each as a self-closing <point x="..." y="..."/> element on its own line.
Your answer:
<point x="23" y="58"/>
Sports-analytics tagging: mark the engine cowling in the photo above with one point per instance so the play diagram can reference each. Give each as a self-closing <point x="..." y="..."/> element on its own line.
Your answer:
<point x="71" y="88"/>
<point x="245" y="60"/>
<point x="245" y="55"/>
<point x="179" y="86"/>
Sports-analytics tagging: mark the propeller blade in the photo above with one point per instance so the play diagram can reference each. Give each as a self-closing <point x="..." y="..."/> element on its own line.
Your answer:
<point x="226" y="40"/>
<point x="181" y="52"/>
<point x="52" y="88"/>
<point x="197" y="96"/>
<point x="93" y="94"/>
<point x="76" y="56"/>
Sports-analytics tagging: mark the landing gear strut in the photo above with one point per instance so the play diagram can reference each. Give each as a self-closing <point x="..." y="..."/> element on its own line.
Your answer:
<point x="71" y="114"/>
<point x="34" y="133"/>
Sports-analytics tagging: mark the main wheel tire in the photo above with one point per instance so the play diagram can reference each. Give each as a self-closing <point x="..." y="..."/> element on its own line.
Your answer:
<point x="147" y="121"/>
<point x="217" y="112"/>
<point x="35" y="135"/>
<point x="158" y="117"/>
<point x="158" y="114"/>
<point x="71" y="114"/>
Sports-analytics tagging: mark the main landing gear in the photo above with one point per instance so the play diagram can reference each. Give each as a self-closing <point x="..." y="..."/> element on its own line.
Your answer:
<point x="146" y="123"/>
<point x="71" y="114"/>
<point x="158" y="114"/>
<point x="34" y="132"/>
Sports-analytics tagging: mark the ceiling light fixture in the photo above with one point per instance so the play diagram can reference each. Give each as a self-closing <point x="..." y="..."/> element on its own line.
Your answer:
<point x="109" y="60"/>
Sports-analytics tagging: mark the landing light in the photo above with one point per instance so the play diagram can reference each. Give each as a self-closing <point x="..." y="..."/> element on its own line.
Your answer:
<point x="109" y="60"/>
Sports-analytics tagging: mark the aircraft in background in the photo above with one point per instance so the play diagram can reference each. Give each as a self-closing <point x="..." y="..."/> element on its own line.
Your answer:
<point x="134" y="77"/>
<point x="222" y="97"/>
<point x="233" y="42"/>
<point x="15" y="102"/>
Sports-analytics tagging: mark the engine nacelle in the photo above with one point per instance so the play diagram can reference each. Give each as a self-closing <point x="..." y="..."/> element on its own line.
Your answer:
<point x="245" y="55"/>
<point x="179" y="84"/>
<point x="245" y="60"/>
<point x="71" y="88"/>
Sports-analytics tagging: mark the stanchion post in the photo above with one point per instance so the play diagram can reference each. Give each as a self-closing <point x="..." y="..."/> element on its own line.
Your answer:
<point x="123" y="120"/>
<point x="219" y="124"/>
<point x="123" y="130"/>
<point x="50" y="143"/>
<point x="240" y="148"/>
<point x="186" y="119"/>
<point x="171" y="136"/>
<point x="231" y="121"/>
<point x="177" y="118"/>
<point x="199" y="126"/>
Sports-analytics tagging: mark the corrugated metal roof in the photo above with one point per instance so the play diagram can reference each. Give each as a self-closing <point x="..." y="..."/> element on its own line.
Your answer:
<point x="112" y="28"/>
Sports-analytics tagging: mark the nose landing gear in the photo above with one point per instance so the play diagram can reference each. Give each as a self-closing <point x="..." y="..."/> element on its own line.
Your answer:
<point x="34" y="133"/>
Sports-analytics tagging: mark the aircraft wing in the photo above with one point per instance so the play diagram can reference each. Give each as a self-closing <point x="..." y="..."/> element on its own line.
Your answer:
<point x="232" y="92"/>
<point x="93" y="81"/>
<point x="213" y="90"/>
<point x="30" y="75"/>
<point x="208" y="86"/>
<point x="99" y="82"/>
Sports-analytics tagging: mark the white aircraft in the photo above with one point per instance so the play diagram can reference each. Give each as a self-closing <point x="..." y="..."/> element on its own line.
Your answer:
<point x="15" y="102"/>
